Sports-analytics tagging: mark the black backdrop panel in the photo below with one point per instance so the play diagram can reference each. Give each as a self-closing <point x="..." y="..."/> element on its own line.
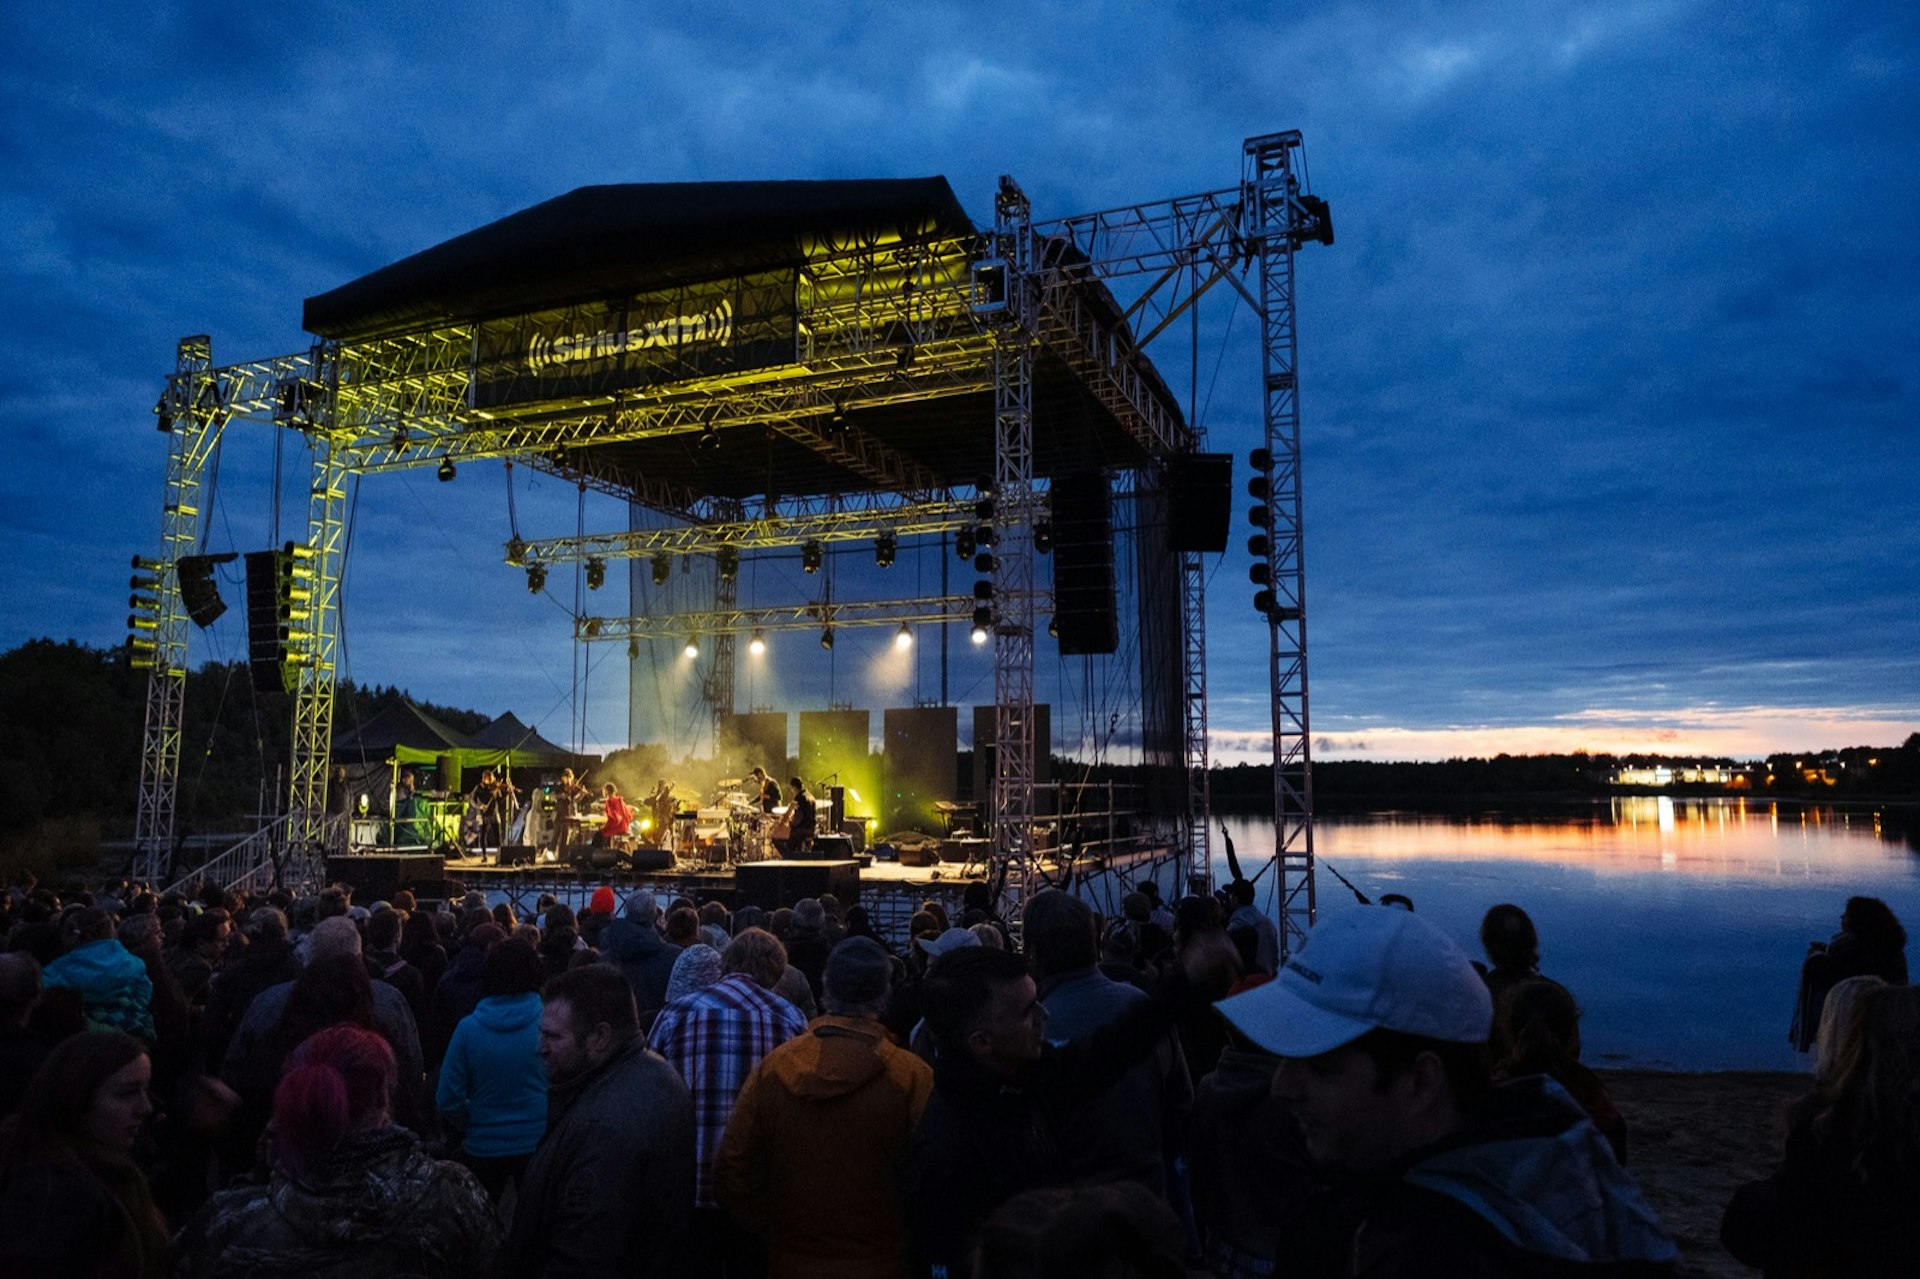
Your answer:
<point x="1083" y="594"/>
<point x="983" y="757"/>
<point x="756" y="740"/>
<point x="922" y="746"/>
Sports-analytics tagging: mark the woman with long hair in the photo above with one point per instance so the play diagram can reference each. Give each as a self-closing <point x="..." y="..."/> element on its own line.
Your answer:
<point x="351" y="1192"/>
<point x="72" y="1201"/>
<point x="1842" y="1201"/>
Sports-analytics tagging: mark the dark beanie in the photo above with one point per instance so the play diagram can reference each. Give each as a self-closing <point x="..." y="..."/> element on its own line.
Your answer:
<point x="857" y="972"/>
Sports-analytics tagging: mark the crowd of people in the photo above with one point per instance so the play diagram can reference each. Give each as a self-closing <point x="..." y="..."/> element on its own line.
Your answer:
<point x="273" y="1084"/>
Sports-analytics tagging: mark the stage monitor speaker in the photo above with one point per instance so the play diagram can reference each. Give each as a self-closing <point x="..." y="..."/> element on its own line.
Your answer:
<point x="833" y="847"/>
<point x="518" y="854"/>
<point x="1084" y="614"/>
<point x="652" y="859"/>
<point x="378" y="876"/>
<point x="607" y="859"/>
<point x="927" y="854"/>
<point x="771" y="885"/>
<point x="1199" y="501"/>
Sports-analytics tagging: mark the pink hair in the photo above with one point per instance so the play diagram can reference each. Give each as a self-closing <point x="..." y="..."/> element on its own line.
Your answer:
<point x="334" y="1081"/>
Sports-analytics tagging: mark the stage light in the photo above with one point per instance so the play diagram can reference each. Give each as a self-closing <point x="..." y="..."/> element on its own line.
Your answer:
<point x="633" y="649"/>
<point x="826" y="639"/>
<point x="1258" y="546"/>
<point x="709" y="438"/>
<point x="1261" y="459"/>
<point x="1053" y="627"/>
<point x="963" y="543"/>
<point x="903" y="638"/>
<point x="165" y="414"/>
<point x="516" y="551"/>
<point x="727" y="558"/>
<point x="593" y="628"/>
<point x="1259" y="517"/>
<point x="536" y="578"/>
<point x="885" y="548"/>
<point x="596" y="573"/>
<point x="837" y="419"/>
<point x="1258" y="488"/>
<point x="982" y="625"/>
<point x="662" y="569"/>
<point x="447" y="471"/>
<point x="985" y="563"/>
<point x="1043" y="537"/>
<point x="758" y="644"/>
<point x="983" y="592"/>
<point x="398" y="444"/>
<point x="984" y="535"/>
<point x="812" y="556"/>
<point x="692" y="650"/>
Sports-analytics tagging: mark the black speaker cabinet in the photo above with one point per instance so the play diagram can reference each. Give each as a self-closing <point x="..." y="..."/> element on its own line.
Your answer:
<point x="1199" y="501"/>
<point x="771" y="885"/>
<point x="378" y="876"/>
<point x="649" y="859"/>
<point x="518" y="854"/>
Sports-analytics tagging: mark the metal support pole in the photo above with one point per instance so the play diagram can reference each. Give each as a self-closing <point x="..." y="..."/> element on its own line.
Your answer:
<point x="1193" y="621"/>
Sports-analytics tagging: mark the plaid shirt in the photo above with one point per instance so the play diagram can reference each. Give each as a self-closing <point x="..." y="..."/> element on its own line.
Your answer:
<point x="714" y="1037"/>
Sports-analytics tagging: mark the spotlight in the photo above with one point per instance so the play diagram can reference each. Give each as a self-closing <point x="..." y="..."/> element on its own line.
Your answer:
<point x="1259" y="488"/>
<point x="758" y="644"/>
<point x="662" y="570"/>
<point x="593" y="627"/>
<point x="516" y="551"/>
<point x="692" y="650"/>
<point x="812" y="556"/>
<point x="536" y="578"/>
<point x="1043" y="537"/>
<point x="596" y="573"/>
<point x="984" y="535"/>
<point x="963" y="544"/>
<point x="983" y="591"/>
<point x="1053" y="627"/>
<point x="982" y="624"/>
<point x="985" y="563"/>
<point x="447" y="471"/>
<point x="709" y="438"/>
<point x="165" y="414"/>
<point x="633" y="649"/>
<point x="837" y="419"/>
<point x="885" y="548"/>
<point x="903" y="638"/>
<point x="826" y="639"/>
<point x="727" y="558"/>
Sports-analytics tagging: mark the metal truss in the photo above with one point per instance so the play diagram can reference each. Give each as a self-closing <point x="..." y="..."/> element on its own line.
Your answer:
<point x="733" y="622"/>
<point x="193" y="415"/>
<point x="719" y="683"/>
<point x="1276" y="220"/>
<point x="1193" y="667"/>
<point x="861" y="524"/>
<point x="1015" y="350"/>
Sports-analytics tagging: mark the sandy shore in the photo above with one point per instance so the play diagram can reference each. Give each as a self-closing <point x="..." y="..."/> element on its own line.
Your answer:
<point x="1693" y="1139"/>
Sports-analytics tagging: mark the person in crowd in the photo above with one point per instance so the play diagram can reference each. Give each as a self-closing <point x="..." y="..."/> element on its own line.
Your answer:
<point x="610" y="1188"/>
<point x="115" y="991"/>
<point x="1537" y="1024"/>
<point x="420" y="946"/>
<point x="22" y="1049"/>
<point x="1842" y="1200"/>
<point x="807" y="944"/>
<point x="265" y="961"/>
<point x="1383" y="1023"/>
<point x="714" y="1038"/>
<point x="72" y="1200"/>
<point x="1836" y="1021"/>
<point x="559" y="939"/>
<point x="1870" y="943"/>
<point x="989" y="1131"/>
<point x="492" y="1087"/>
<point x="1203" y="1036"/>
<point x="682" y="928"/>
<point x="274" y="1023"/>
<point x="842" y="1087"/>
<point x="351" y="1192"/>
<point x="977" y="907"/>
<point x="1151" y="940"/>
<point x="1123" y="1133"/>
<point x="381" y="952"/>
<point x="203" y="940"/>
<point x="1266" y="957"/>
<point x="832" y="925"/>
<point x="1512" y="945"/>
<point x="633" y="944"/>
<point x="697" y="968"/>
<point x="860" y="924"/>
<point x="1115" y="1231"/>
<point x="458" y="992"/>
<point x="1246" y="1158"/>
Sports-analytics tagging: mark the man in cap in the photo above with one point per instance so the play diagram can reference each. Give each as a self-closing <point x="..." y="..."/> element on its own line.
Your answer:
<point x="813" y="1152"/>
<point x="1383" y="1022"/>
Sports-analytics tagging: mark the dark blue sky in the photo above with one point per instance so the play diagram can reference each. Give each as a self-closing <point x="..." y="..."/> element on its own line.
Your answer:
<point x="1608" y="387"/>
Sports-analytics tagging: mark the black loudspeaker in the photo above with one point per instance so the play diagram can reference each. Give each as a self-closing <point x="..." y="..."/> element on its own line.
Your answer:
<point x="378" y="876"/>
<point x="652" y="859"/>
<point x="771" y="885"/>
<point x="927" y="854"/>
<point x="263" y="622"/>
<point x="607" y="859"/>
<point x="518" y="854"/>
<point x="1199" y="501"/>
<point x="1083" y="596"/>
<point x="198" y="589"/>
<point x="833" y="847"/>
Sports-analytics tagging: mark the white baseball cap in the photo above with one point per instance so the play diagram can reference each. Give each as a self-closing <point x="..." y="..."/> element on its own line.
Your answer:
<point x="1361" y="970"/>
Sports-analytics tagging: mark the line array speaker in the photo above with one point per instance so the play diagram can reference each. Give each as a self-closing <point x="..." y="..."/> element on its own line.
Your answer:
<point x="1199" y="501"/>
<point x="1083" y="591"/>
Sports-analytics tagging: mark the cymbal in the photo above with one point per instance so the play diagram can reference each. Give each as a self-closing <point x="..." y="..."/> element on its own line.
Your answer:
<point x="726" y="782"/>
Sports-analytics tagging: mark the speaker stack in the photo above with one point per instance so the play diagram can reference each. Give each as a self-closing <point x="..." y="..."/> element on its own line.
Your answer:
<point x="1083" y="594"/>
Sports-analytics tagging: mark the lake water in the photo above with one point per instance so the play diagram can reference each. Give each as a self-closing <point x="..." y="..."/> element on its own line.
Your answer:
<point x="1679" y="924"/>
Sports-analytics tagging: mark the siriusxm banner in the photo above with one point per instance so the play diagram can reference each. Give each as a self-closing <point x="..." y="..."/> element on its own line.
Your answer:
<point x="697" y="330"/>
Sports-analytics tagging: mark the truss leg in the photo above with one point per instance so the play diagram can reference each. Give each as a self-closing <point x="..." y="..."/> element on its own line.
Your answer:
<point x="1270" y="191"/>
<point x="1014" y="346"/>
<point x="311" y="649"/>
<point x="192" y="407"/>
<point x="1197" y="855"/>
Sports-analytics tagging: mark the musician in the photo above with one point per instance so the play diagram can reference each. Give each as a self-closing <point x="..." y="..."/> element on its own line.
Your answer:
<point x="483" y="812"/>
<point x="619" y="816"/>
<point x="569" y="802"/>
<point x="769" y="789"/>
<point x="802" y="820"/>
<point x="661" y="803"/>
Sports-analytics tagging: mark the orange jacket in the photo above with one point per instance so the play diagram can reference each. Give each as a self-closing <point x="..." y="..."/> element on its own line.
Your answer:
<point x="814" y="1150"/>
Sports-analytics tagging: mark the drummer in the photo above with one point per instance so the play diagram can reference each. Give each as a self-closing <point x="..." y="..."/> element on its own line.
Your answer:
<point x="769" y="797"/>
